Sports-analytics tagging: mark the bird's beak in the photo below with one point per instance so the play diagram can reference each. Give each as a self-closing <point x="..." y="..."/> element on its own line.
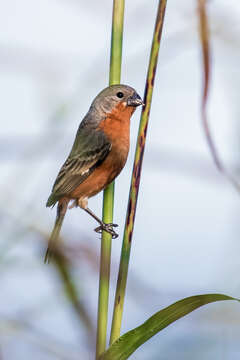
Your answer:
<point x="134" y="100"/>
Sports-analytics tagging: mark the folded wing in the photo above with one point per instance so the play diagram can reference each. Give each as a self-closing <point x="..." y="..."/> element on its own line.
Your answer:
<point x="89" y="150"/>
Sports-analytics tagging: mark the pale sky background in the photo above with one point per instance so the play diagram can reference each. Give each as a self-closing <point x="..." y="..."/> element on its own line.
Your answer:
<point x="54" y="59"/>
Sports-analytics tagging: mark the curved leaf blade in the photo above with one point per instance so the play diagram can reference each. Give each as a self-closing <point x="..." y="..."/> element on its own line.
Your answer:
<point x="122" y="348"/>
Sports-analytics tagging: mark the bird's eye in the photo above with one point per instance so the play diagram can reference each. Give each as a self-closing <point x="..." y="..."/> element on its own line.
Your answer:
<point x="119" y="94"/>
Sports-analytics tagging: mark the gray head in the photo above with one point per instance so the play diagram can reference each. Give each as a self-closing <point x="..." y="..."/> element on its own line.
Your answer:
<point x="114" y="95"/>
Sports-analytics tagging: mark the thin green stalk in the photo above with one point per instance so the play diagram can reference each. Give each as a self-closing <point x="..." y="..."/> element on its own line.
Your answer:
<point x="133" y="194"/>
<point x="116" y="42"/>
<point x="108" y="197"/>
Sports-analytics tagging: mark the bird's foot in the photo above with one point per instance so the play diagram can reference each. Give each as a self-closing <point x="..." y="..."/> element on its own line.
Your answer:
<point x="108" y="228"/>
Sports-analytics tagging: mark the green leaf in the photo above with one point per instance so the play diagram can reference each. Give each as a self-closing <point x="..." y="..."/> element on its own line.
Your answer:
<point x="122" y="348"/>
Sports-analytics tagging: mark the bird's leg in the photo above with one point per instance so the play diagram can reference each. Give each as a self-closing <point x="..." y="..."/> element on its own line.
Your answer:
<point x="106" y="227"/>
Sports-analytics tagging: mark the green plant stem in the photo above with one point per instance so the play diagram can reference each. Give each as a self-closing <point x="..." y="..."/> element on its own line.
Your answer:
<point x="108" y="197"/>
<point x="116" y="42"/>
<point x="133" y="194"/>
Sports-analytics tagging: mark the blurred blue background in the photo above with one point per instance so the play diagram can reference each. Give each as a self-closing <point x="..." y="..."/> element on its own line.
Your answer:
<point x="54" y="59"/>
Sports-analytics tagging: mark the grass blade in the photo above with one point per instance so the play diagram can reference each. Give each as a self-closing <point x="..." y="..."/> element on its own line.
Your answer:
<point x="122" y="348"/>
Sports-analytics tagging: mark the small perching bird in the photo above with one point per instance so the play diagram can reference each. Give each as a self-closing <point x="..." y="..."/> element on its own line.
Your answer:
<point x="98" y="155"/>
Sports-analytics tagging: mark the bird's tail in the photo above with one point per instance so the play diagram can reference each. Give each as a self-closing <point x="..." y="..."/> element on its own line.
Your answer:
<point x="61" y="211"/>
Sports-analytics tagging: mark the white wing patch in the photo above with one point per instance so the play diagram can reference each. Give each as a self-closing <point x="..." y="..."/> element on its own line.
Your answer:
<point x="85" y="172"/>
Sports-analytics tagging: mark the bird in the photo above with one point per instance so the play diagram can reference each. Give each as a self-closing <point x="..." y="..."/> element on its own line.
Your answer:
<point x="98" y="155"/>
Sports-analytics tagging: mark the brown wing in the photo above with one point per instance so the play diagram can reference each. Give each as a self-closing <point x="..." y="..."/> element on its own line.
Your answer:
<point x="89" y="150"/>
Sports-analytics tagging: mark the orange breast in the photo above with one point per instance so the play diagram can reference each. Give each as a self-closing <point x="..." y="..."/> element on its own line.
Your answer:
<point x="117" y="130"/>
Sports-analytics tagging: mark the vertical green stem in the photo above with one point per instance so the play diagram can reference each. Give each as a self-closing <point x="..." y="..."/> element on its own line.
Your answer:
<point x="116" y="42"/>
<point x="108" y="197"/>
<point x="133" y="194"/>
